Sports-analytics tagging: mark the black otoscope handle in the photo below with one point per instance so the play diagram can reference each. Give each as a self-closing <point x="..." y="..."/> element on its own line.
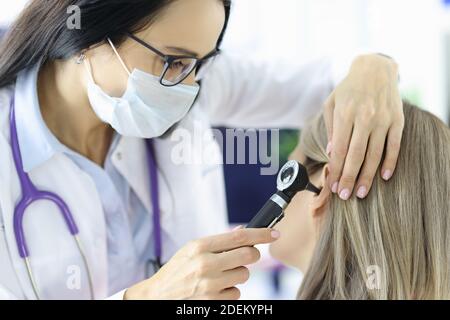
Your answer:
<point x="270" y="214"/>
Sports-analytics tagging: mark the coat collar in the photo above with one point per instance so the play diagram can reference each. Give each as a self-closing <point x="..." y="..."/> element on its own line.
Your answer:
<point x="129" y="155"/>
<point x="37" y="143"/>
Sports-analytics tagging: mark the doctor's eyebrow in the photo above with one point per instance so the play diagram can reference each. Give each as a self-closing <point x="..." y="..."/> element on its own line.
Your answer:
<point x="190" y="53"/>
<point x="183" y="51"/>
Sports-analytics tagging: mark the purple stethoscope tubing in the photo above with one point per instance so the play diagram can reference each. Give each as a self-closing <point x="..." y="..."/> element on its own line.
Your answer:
<point x="31" y="194"/>
<point x="154" y="189"/>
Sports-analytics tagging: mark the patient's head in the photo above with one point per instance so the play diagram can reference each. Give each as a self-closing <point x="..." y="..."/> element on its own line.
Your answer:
<point x="395" y="244"/>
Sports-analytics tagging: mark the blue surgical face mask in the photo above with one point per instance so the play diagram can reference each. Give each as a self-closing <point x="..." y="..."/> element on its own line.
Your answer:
<point x="147" y="109"/>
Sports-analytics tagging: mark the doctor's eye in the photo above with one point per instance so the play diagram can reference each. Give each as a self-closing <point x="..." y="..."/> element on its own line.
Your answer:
<point x="182" y="65"/>
<point x="178" y="70"/>
<point x="177" y="64"/>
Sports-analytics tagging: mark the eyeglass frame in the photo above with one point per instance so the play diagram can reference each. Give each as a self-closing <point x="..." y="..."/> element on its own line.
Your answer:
<point x="169" y="59"/>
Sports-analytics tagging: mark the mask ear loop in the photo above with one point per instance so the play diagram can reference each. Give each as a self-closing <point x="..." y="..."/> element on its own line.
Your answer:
<point x="83" y="59"/>
<point x="87" y="65"/>
<point x="118" y="56"/>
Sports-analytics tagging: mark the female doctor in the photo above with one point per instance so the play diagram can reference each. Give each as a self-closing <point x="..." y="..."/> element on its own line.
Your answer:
<point x="91" y="204"/>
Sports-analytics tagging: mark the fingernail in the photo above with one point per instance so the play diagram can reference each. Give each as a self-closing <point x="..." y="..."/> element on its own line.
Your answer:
<point x="275" y="234"/>
<point x="329" y="147"/>
<point x="387" y="175"/>
<point x="362" y="192"/>
<point x="238" y="228"/>
<point x="345" y="194"/>
<point x="334" y="188"/>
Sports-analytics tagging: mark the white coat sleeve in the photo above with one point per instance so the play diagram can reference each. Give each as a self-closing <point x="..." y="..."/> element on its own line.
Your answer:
<point x="240" y="93"/>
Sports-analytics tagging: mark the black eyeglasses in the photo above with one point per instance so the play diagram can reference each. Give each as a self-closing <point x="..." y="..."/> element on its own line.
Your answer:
<point x="176" y="68"/>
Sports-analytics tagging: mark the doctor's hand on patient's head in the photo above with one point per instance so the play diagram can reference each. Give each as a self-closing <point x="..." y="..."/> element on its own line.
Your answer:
<point x="363" y="116"/>
<point x="206" y="269"/>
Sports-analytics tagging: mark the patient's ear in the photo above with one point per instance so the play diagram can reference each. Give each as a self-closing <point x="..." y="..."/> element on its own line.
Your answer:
<point x="318" y="205"/>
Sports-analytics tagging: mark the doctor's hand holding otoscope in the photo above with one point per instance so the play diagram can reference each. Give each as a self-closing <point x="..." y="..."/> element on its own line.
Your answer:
<point x="211" y="268"/>
<point x="206" y="269"/>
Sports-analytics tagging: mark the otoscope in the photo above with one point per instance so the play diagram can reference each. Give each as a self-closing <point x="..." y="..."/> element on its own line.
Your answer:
<point x="292" y="178"/>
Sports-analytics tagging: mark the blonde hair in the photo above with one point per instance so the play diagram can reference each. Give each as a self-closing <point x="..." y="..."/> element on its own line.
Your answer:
<point x="395" y="244"/>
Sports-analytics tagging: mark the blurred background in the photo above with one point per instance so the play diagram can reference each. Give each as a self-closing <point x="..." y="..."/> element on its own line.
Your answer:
<point x="415" y="32"/>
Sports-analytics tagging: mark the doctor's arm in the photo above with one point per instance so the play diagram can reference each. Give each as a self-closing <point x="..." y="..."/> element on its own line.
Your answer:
<point x="238" y="92"/>
<point x="363" y="113"/>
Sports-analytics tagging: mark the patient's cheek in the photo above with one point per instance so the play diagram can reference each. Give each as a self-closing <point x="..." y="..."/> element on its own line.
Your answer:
<point x="282" y="249"/>
<point x="292" y="248"/>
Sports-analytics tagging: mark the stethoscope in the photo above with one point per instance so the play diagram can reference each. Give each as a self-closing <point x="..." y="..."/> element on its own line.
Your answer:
<point x="30" y="195"/>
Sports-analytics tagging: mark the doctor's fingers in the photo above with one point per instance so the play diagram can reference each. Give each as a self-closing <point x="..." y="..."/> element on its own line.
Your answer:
<point x="342" y="132"/>
<point x="230" y="294"/>
<point x="233" y="240"/>
<point x="355" y="159"/>
<point x="222" y="281"/>
<point x="236" y="258"/>
<point x="226" y="294"/>
<point x="373" y="159"/>
<point x="393" y="146"/>
<point x="213" y="264"/>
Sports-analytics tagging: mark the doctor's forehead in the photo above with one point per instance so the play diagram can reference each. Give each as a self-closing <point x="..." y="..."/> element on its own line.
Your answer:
<point x="192" y="25"/>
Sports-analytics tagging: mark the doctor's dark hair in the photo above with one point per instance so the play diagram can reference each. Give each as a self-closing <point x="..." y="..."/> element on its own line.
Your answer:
<point x="41" y="34"/>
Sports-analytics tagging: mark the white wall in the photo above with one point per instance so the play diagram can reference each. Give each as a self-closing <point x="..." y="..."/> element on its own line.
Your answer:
<point x="409" y="30"/>
<point x="9" y="10"/>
